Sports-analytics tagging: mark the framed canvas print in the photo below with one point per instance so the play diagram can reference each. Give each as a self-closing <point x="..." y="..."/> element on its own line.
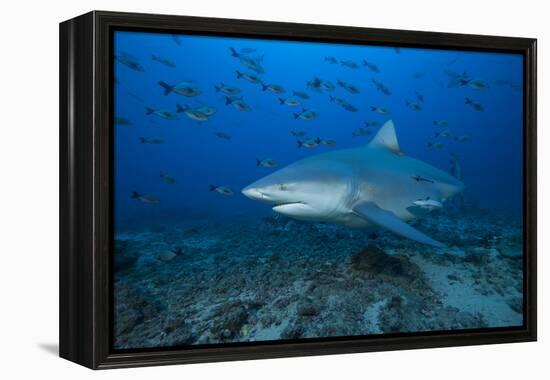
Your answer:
<point x="238" y="189"/>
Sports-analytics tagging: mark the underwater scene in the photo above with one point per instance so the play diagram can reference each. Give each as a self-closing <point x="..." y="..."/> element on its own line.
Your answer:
<point x="269" y="190"/>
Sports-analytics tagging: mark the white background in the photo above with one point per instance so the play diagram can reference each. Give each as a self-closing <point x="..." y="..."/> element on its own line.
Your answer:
<point x="29" y="187"/>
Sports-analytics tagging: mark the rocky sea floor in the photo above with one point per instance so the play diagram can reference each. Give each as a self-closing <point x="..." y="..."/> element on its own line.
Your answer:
<point x="207" y="282"/>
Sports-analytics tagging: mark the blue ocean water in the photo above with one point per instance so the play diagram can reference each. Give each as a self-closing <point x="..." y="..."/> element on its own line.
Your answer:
<point x="192" y="155"/>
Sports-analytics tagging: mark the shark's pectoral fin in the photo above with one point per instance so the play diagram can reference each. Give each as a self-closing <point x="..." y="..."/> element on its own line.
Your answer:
<point x="387" y="219"/>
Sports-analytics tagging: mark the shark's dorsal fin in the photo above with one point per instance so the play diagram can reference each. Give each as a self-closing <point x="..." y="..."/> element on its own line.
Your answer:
<point x="386" y="138"/>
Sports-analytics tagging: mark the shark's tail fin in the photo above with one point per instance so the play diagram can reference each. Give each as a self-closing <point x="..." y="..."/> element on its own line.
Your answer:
<point x="234" y="52"/>
<point x="212" y="187"/>
<point x="281" y="101"/>
<point x="300" y="143"/>
<point x="180" y="108"/>
<point x="149" y="110"/>
<point x="218" y="88"/>
<point x="135" y="195"/>
<point x="467" y="101"/>
<point x="142" y="140"/>
<point x="258" y="162"/>
<point x="239" y="74"/>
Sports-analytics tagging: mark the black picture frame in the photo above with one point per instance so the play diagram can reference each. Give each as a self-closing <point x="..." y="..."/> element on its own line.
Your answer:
<point x="86" y="182"/>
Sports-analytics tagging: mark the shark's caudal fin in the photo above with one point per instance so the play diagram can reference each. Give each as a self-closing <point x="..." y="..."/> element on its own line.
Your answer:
<point x="374" y="214"/>
<point x="386" y="138"/>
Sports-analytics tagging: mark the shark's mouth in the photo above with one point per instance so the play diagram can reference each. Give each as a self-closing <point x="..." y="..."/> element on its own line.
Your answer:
<point x="287" y="204"/>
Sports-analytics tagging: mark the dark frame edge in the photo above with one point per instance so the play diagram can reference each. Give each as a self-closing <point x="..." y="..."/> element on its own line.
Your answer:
<point x="76" y="253"/>
<point x="84" y="248"/>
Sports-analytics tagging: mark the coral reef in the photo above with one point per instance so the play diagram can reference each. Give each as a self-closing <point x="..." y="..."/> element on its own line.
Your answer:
<point x="201" y="282"/>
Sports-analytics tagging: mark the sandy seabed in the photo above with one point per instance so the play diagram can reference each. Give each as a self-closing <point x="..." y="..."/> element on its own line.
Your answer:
<point x="206" y="281"/>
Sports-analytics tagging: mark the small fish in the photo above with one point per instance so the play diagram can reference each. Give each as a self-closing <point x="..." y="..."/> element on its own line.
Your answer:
<point x="297" y="133"/>
<point x="251" y="63"/>
<point x="337" y="100"/>
<point x="371" y="66"/>
<point x="397" y="50"/>
<point x="348" y="87"/>
<point x="290" y="102"/>
<point x="274" y="88"/>
<point x="328" y="143"/>
<point x="327" y="86"/>
<point x="119" y="120"/>
<point x="436" y="145"/>
<point x="462" y="138"/>
<point x="306" y="115"/>
<point x="183" y="88"/>
<point x="445" y="133"/>
<point x="506" y="82"/>
<point x="440" y="123"/>
<point x="381" y="87"/>
<point x="382" y="110"/>
<point x="206" y="110"/>
<point x="342" y="102"/>
<point x="177" y="39"/>
<point x="369" y="124"/>
<point x="456" y="79"/>
<point x="252" y="78"/>
<point x="419" y="179"/>
<point x="227" y="89"/>
<point x="360" y="132"/>
<point x="331" y="60"/>
<point x="153" y="141"/>
<point x="134" y="96"/>
<point x="223" y="135"/>
<point x="300" y="94"/>
<point x="310" y="143"/>
<point x="428" y="204"/>
<point x="475" y="106"/>
<point x="414" y="105"/>
<point x="161" y="113"/>
<point x="163" y="61"/>
<point x="419" y="74"/>
<point x="419" y="97"/>
<point x="476" y="84"/>
<point x="192" y="113"/>
<point x="350" y="107"/>
<point x="167" y="179"/>
<point x="129" y="61"/>
<point x="237" y="103"/>
<point x="149" y="199"/>
<point x="350" y="64"/>
<point x="223" y="190"/>
<point x="314" y="84"/>
<point x="266" y="162"/>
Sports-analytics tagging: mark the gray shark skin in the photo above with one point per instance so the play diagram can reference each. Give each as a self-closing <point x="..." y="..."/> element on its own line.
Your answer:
<point x="373" y="185"/>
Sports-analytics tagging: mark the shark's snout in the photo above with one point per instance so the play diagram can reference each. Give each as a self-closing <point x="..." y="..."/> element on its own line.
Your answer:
<point x="252" y="193"/>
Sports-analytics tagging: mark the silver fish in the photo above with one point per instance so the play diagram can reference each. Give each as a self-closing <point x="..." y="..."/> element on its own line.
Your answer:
<point x="183" y="88"/>
<point x="223" y="190"/>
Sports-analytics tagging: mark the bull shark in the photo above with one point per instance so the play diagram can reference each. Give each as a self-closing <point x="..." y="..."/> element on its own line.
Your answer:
<point x="369" y="186"/>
